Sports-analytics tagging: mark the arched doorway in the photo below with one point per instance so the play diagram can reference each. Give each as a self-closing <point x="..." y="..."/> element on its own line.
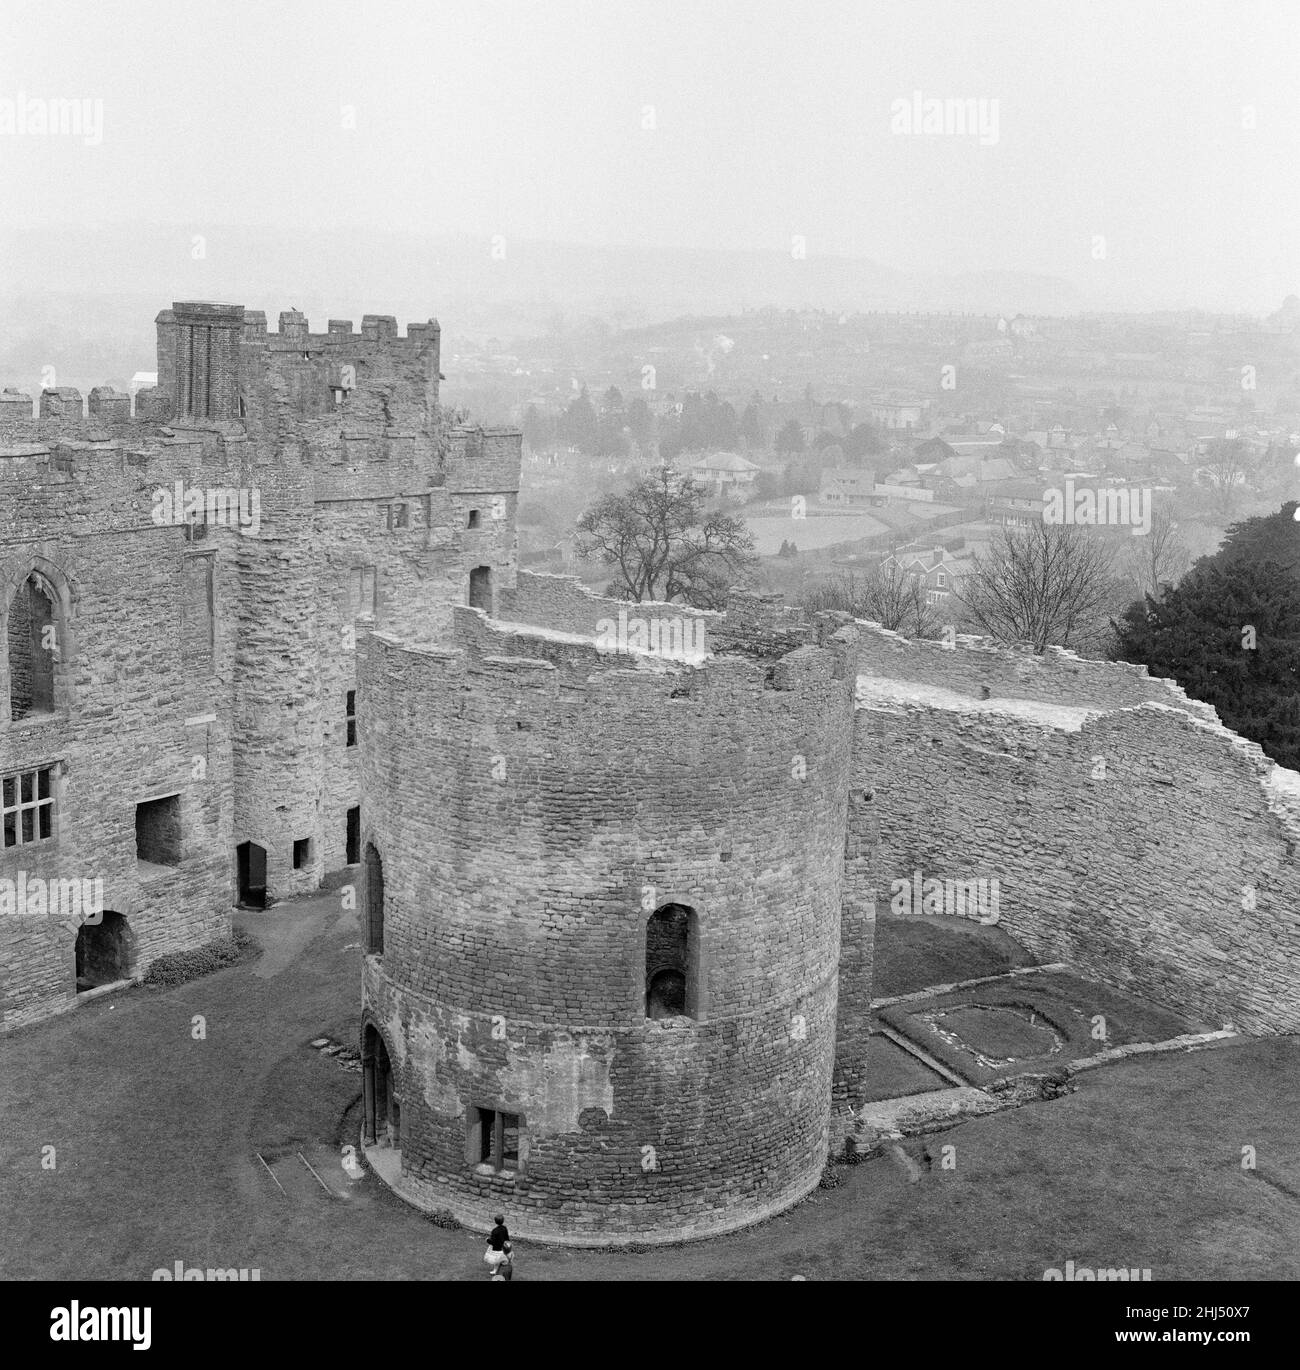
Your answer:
<point x="105" y="951"/>
<point x="251" y="861"/>
<point x="382" y="1109"/>
<point x="374" y="901"/>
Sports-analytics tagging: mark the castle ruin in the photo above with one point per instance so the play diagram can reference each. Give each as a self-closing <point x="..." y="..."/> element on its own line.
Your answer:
<point x="618" y="906"/>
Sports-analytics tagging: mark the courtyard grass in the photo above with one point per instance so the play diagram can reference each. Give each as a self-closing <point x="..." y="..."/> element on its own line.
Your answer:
<point x="892" y="1072"/>
<point x="1086" y="1017"/>
<point x="155" y="1132"/>
<point x="914" y="953"/>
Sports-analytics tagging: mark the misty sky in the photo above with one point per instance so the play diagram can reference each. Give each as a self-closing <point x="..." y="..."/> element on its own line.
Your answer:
<point x="1118" y="118"/>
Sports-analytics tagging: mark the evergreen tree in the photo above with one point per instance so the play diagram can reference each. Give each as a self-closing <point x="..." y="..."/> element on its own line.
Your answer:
<point x="863" y="440"/>
<point x="579" y="423"/>
<point x="1271" y="537"/>
<point x="790" y="438"/>
<point x="752" y="426"/>
<point x="641" y="421"/>
<point x="1229" y="633"/>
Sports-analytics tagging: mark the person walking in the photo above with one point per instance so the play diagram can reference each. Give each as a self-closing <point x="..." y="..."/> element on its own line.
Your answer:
<point x="498" y="1253"/>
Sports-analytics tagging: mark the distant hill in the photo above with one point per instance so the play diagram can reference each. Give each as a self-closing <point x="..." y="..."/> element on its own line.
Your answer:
<point x="84" y="302"/>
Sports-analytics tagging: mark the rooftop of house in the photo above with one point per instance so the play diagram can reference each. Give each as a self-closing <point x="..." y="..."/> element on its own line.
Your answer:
<point x="722" y="461"/>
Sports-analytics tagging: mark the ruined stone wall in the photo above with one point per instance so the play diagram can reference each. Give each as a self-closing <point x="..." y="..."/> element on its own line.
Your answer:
<point x="564" y="603"/>
<point x="976" y="665"/>
<point x="1146" y="846"/>
<point x="533" y="802"/>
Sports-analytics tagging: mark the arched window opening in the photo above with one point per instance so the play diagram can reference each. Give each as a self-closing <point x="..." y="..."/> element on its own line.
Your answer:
<point x="480" y="588"/>
<point x="672" y="971"/>
<point x="33" y="648"/>
<point x="374" y="901"/>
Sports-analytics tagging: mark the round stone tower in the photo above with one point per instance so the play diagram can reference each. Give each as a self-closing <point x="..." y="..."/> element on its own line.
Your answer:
<point x="602" y="911"/>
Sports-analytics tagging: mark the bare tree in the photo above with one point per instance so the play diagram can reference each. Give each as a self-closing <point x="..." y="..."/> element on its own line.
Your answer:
<point x="1158" y="558"/>
<point x="886" y="594"/>
<point x="1046" y="585"/>
<point x="664" y="544"/>
<point x="1227" y="466"/>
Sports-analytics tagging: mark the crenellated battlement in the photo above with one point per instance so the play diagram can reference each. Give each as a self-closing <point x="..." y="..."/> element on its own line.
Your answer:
<point x="293" y="329"/>
<point x="106" y="407"/>
<point x="222" y="361"/>
<point x="62" y="415"/>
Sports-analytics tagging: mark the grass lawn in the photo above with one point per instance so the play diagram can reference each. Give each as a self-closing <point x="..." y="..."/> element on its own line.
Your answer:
<point x="893" y="1072"/>
<point x="915" y="953"/>
<point x="155" y="1134"/>
<point x="1056" y="1002"/>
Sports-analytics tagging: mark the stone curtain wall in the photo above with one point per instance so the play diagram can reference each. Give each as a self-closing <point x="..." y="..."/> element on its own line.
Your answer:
<point x="1145" y="846"/>
<point x="554" y="797"/>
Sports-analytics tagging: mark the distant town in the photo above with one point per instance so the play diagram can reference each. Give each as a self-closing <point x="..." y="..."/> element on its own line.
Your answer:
<point x="858" y="440"/>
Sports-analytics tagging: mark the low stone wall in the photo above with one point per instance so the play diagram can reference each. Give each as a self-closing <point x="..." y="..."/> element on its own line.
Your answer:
<point x="565" y="604"/>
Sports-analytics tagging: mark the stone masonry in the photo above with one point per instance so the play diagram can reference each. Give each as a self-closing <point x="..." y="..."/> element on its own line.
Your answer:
<point x="534" y="801"/>
<point x="203" y="659"/>
<point x="534" y="797"/>
<point x="619" y="902"/>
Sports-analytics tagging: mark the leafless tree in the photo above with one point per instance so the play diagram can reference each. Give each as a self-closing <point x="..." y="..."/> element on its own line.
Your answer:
<point x="1160" y="557"/>
<point x="1227" y="466"/>
<point x="1046" y="585"/>
<point x="886" y="594"/>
